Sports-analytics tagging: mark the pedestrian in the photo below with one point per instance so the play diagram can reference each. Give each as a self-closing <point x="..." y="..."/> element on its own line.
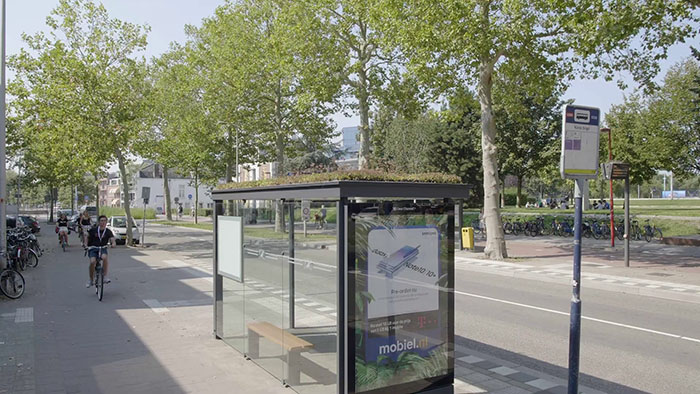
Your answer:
<point x="179" y="211"/>
<point x="323" y="217"/>
<point x="192" y="211"/>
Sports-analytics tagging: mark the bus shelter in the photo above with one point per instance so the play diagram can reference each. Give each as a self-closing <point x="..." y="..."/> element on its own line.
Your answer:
<point x="340" y="286"/>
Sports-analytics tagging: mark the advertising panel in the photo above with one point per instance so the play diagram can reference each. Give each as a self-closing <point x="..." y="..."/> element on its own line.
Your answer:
<point x="401" y="320"/>
<point x="230" y="246"/>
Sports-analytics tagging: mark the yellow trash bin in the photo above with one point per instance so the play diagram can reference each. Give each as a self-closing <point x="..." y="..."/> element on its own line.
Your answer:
<point x="468" y="238"/>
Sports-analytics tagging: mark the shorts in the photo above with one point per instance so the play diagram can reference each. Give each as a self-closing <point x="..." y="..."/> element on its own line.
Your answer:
<point x="62" y="230"/>
<point x="95" y="252"/>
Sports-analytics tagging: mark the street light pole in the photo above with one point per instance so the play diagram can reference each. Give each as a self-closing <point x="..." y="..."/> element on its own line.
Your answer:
<point x="3" y="140"/>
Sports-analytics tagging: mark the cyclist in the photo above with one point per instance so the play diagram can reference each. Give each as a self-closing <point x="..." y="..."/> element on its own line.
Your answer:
<point x="62" y="229"/>
<point x="99" y="236"/>
<point x="84" y="224"/>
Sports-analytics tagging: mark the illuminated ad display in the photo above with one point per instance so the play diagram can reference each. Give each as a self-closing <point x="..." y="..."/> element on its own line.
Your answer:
<point x="402" y="275"/>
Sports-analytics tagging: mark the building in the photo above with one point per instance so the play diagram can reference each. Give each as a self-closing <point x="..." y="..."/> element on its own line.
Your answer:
<point x="150" y="175"/>
<point x="350" y="148"/>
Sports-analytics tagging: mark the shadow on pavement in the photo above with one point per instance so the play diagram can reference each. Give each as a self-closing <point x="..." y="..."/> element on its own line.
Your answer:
<point x="79" y="344"/>
<point x="545" y="367"/>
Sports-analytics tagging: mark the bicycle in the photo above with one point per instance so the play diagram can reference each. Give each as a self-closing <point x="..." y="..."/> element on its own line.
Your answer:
<point x="652" y="232"/>
<point x="99" y="272"/>
<point x="11" y="281"/>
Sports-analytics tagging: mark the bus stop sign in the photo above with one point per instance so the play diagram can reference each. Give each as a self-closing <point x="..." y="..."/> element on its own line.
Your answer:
<point x="579" y="142"/>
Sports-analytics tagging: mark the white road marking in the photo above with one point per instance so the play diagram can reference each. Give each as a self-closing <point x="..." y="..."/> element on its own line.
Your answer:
<point x="325" y="309"/>
<point x="24" y="315"/>
<point x="155" y="306"/>
<point x="612" y="323"/>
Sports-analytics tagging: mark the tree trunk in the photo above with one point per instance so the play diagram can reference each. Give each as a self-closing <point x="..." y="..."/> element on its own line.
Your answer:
<point x="363" y="100"/>
<point x="495" y="240"/>
<point x="503" y="193"/>
<point x="51" y="204"/>
<point x="166" y="190"/>
<point x="518" y="196"/>
<point x="196" y="197"/>
<point x="279" y="206"/>
<point x="127" y="200"/>
<point x="279" y="148"/>
<point x="97" y="198"/>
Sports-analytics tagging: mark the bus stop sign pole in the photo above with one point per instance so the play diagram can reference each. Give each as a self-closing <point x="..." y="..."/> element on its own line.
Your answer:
<point x="575" y="316"/>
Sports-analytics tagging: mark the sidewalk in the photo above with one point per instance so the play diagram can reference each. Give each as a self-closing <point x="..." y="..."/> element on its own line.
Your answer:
<point x="153" y="334"/>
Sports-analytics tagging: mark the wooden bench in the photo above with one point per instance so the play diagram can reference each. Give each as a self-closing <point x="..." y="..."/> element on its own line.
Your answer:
<point x="292" y="344"/>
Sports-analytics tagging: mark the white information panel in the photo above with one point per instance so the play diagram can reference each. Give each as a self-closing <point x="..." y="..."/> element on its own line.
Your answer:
<point x="229" y="246"/>
<point x="580" y="142"/>
<point x="403" y="266"/>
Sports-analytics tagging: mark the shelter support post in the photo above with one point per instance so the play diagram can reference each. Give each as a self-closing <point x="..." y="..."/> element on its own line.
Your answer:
<point x="341" y="272"/>
<point x="292" y="298"/>
<point x="218" y="279"/>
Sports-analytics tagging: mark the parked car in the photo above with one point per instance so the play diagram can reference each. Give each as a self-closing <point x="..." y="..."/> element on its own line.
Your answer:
<point x="73" y="222"/>
<point x="31" y="222"/>
<point x="118" y="226"/>
<point x="92" y="210"/>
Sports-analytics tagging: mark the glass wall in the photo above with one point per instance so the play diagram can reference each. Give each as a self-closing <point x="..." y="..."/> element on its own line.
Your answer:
<point x="282" y="313"/>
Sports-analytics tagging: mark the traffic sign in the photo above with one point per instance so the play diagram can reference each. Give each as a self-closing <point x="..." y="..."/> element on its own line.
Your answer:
<point x="579" y="142"/>
<point x="306" y="210"/>
<point x="87" y="198"/>
<point x="189" y="196"/>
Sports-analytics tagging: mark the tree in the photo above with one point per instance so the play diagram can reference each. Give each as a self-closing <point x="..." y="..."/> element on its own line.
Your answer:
<point x="658" y="131"/>
<point x="365" y="66"/>
<point x="280" y="59"/>
<point x="459" y="42"/>
<point x="528" y="121"/>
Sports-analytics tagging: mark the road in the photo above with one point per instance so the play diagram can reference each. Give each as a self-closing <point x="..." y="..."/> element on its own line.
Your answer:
<point x="629" y="344"/>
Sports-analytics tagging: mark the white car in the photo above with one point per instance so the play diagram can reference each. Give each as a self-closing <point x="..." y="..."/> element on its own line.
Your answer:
<point x="118" y="226"/>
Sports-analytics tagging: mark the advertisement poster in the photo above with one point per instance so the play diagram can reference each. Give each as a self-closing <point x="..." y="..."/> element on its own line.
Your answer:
<point x="401" y="323"/>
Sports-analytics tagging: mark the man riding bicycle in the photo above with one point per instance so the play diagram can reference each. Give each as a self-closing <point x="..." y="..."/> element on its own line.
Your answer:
<point x="99" y="237"/>
<point x="62" y="229"/>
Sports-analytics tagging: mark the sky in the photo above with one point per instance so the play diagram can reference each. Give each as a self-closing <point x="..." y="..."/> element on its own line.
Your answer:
<point x="167" y="19"/>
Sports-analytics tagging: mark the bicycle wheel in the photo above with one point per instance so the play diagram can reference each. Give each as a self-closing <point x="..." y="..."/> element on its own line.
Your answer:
<point x="658" y="235"/>
<point x="63" y="245"/>
<point x="99" y="284"/>
<point x="32" y="258"/>
<point x="620" y="232"/>
<point x="507" y="228"/>
<point x="648" y="234"/>
<point x="21" y="263"/>
<point x="11" y="284"/>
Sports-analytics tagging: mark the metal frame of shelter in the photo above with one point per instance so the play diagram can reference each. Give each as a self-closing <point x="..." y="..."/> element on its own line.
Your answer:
<point x="344" y="193"/>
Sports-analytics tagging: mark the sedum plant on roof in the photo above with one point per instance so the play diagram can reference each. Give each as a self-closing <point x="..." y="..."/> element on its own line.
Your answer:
<point x="363" y="175"/>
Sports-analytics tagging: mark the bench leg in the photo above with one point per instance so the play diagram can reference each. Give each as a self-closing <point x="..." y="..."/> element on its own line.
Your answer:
<point x="292" y="370"/>
<point x="253" y="344"/>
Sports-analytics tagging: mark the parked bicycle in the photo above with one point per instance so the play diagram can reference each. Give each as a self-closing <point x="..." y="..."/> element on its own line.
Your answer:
<point x="651" y="232"/>
<point x="11" y="281"/>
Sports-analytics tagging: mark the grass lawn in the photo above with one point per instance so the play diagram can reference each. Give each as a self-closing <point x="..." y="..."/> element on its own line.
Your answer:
<point x="205" y="226"/>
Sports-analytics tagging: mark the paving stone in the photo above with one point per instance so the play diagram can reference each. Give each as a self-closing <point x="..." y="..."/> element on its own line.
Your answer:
<point x="486" y="364"/>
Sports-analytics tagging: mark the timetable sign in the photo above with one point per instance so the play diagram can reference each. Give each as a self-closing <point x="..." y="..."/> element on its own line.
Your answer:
<point x="579" y="142"/>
